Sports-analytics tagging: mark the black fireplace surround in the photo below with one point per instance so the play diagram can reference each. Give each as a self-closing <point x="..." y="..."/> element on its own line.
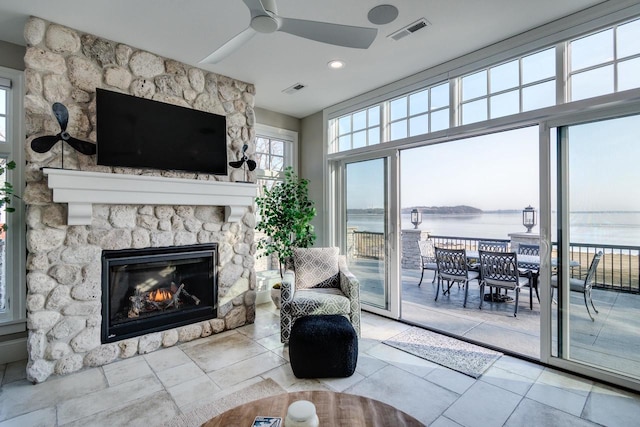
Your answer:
<point x="154" y="289"/>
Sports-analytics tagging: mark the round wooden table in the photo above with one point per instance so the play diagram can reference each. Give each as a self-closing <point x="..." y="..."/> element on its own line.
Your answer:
<point x="333" y="409"/>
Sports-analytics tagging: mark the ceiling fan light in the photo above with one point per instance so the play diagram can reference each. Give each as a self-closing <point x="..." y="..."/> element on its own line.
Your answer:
<point x="336" y="64"/>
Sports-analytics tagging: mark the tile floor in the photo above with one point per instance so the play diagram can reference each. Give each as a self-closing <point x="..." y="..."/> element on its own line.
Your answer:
<point x="511" y="393"/>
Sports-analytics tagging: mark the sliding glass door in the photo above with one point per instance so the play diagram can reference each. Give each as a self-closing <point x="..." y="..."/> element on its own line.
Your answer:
<point x="368" y="231"/>
<point x="594" y="282"/>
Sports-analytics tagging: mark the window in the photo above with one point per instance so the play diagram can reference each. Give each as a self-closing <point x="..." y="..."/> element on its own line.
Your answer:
<point x="419" y="113"/>
<point x="523" y="84"/>
<point x="359" y="129"/>
<point x="275" y="150"/>
<point x="12" y="270"/>
<point x="605" y="62"/>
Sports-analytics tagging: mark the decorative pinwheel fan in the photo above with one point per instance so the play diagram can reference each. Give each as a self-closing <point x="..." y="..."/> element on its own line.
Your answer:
<point x="43" y="144"/>
<point x="244" y="162"/>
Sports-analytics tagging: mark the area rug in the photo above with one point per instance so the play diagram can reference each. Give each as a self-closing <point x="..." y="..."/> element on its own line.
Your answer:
<point x="458" y="355"/>
<point x="200" y="415"/>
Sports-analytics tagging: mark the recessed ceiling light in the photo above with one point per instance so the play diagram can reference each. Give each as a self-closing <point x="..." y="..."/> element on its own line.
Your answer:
<point x="336" y="64"/>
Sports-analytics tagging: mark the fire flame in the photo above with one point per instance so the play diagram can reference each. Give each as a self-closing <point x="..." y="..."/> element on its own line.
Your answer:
<point x="160" y="295"/>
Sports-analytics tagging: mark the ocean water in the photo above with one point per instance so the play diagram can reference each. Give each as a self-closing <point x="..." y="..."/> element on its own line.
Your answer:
<point x="602" y="228"/>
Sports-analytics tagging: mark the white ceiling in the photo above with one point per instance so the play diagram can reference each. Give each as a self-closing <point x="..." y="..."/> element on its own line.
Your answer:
<point x="188" y="31"/>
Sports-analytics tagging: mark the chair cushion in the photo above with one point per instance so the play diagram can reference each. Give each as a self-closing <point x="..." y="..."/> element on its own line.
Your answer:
<point x="576" y="285"/>
<point x="316" y="267"/>
<point x="319" y="301"/>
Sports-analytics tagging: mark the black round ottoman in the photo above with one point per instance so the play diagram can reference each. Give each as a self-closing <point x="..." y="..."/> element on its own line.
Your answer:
<point x="323" y="346"/>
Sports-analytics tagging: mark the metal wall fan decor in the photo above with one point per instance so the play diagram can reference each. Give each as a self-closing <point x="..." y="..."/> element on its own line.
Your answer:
<point x="244" y="162"/>
<point x="42" y="144"/>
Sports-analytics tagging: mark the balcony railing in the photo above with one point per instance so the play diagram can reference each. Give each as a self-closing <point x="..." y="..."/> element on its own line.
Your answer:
<point x="618" y="270"/>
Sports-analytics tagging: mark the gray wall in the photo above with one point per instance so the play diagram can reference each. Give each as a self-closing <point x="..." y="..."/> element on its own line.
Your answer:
<point x="278" y="120"/>
<point x="311" y="167"/>
<point x="11" y="55"/>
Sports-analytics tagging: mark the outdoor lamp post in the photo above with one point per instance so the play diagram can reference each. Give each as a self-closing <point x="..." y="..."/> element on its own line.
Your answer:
<point x="416" y="218"/>
<point x="529" y="218"/>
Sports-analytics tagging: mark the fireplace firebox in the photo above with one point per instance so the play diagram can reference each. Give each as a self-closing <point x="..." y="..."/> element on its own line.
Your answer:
<point x="154" y="289"/>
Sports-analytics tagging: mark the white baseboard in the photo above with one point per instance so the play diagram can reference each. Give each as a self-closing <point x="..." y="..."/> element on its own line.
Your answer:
<point x="13" y="350"/>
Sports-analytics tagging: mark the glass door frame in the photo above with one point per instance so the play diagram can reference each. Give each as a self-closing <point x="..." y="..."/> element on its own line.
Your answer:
<point x="337" y="173"/>
<point x="613" y="111"/>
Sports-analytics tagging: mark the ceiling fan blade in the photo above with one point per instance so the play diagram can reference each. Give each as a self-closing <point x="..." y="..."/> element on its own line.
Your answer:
<point x="82" y="146"/>
<point x="236" y="164"/>
<point x="62" y="114"/>
<point x="325" y="32"/>
<point x="257" y="7"/>
<point x="42" y="144"/>
<point x="251" y="164"/>
<point x="229" y="47"/>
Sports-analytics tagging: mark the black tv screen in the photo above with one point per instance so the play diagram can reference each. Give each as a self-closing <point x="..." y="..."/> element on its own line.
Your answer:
<point x="142" y="133"/>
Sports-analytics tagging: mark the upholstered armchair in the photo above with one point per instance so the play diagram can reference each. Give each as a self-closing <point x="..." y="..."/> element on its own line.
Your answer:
<point x="318" y="282"/>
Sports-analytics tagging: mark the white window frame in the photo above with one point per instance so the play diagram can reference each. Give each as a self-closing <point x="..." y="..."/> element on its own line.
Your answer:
<point x="13" y="319"/>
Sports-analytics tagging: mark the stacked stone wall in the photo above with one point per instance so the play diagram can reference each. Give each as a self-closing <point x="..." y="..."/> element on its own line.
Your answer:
<point x="64" y="262"/>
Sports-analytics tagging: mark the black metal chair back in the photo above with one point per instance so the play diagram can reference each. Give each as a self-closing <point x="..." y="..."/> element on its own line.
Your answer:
<point x="499" y="268"/>
<point x="533" y="250"/>
<point x="491" y="246"/>
<point x="452" y="263"/>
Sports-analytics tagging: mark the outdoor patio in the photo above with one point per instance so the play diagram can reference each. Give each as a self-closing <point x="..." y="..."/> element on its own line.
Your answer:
<point x="610" y="340"/>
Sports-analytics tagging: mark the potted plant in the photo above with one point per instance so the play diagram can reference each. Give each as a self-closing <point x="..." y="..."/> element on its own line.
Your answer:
<point x="285" y="213"/>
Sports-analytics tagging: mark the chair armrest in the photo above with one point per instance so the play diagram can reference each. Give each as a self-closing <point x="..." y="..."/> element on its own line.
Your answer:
<point x="288" y="285"/>
<point x="349" y="284"/>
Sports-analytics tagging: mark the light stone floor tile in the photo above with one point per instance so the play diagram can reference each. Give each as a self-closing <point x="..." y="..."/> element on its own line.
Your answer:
<point x="166" y="358"/>
<point x="271" y="342"/>
<point x="444" y="422"/>
<point x="611" y="407"/>
<point x="190" y="394"/>
<point x="126" y="370"/>
<point x="41" y="418"/>
<point x="450" y="379"/>
<point x="20" y="397"/>
<point x="437" y="396"/>
<point x="341" y="384"/>
<point x="15" y="371"/>
<point x="218" y="352"/>
<point x="530" y="412"/>
<point x="112" y="397"/>
<point x="566" y="381"/>
<point x="519" y="366"/>
<point x="403" y="360"/>
<point x="558" y="398"/>
<point x="149" y="411"/>
<point x="507" y="380"/>
<point x="179" y="374"/>
<point x="483" y="405"/>
<point x="367" y="365"/>
<point x="246" y="369"/>
<point x="407" y="392"/>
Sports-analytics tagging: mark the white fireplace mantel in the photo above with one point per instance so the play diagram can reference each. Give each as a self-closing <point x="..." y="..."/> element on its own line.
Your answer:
<point x="81" y="189"/>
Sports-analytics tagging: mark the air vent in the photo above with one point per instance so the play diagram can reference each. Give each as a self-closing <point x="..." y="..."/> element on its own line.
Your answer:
<point x="295" y="88"/>
<point x="410" y="29"/>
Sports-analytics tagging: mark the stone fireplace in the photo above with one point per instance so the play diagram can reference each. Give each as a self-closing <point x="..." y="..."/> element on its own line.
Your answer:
<point x="76" y="214"/>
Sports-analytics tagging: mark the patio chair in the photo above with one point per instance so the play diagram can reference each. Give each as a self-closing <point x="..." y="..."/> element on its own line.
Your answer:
<point x="452" y="267"/>
<point x="500" y="270"/>
<point x="427" y="258"/>
<point x="318" y="282"/>
<point x="532" y="270"/>
<point x="583" y="286"/>
<point x="491" y="246"/>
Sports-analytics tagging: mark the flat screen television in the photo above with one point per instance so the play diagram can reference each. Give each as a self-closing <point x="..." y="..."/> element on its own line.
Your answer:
<point x="142" y="133"/>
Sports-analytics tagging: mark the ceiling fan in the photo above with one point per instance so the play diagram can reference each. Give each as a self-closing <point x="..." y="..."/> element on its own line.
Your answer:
<point x="265" y="19"/>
